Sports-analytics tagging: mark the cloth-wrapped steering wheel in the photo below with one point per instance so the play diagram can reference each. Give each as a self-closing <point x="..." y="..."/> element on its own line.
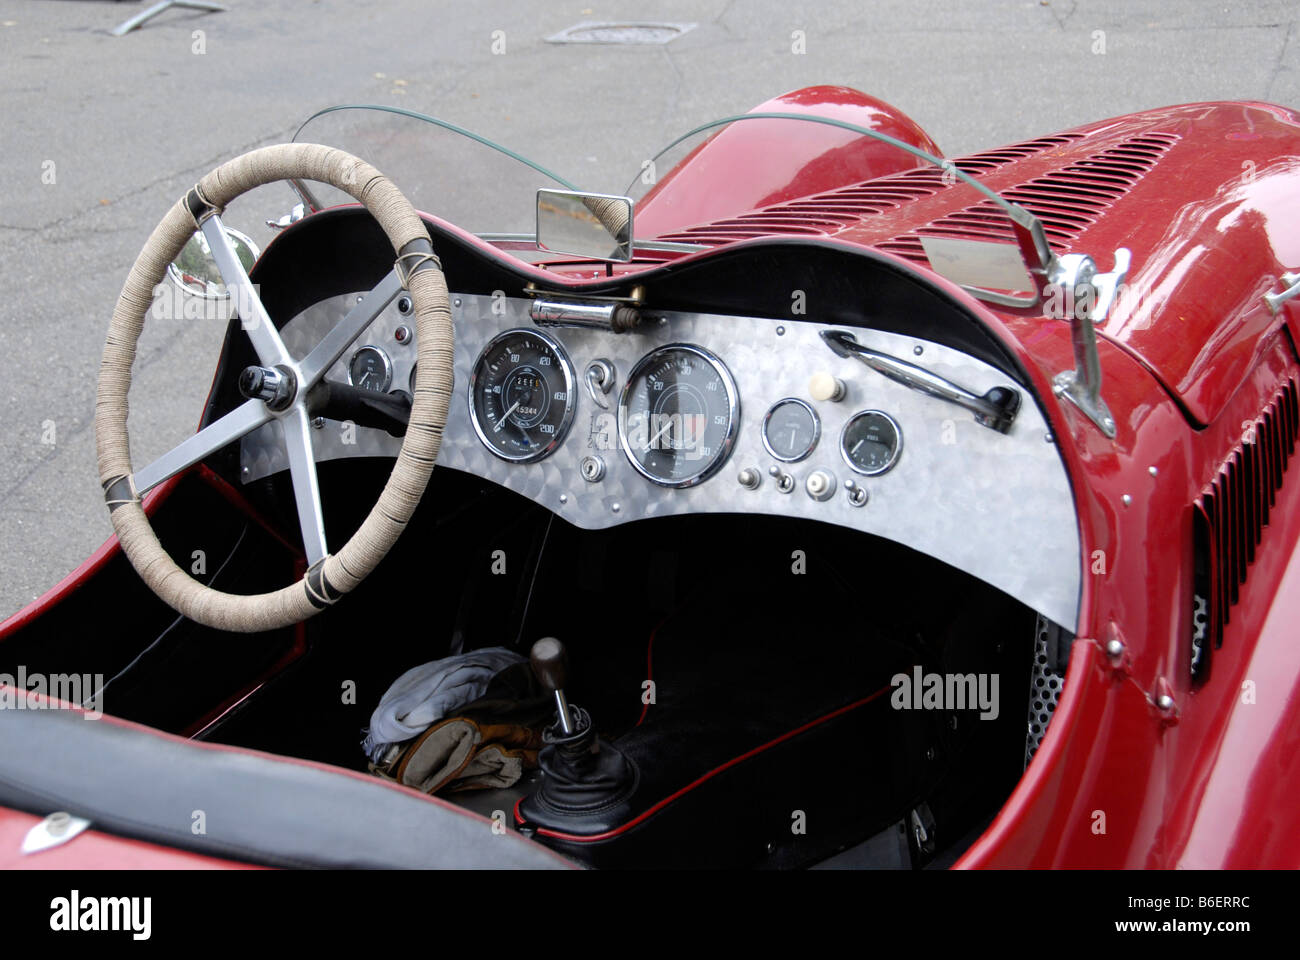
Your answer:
<point x="329" y="576"/>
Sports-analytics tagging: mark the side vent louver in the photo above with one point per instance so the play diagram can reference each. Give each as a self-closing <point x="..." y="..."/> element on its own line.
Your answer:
<point x="1067" y="201"/>
<point x="827" y="213"/>
<point x="1229" y="517"/>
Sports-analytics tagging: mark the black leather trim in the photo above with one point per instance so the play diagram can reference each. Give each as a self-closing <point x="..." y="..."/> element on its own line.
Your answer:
<point x="197" y="206"/>
<point x="320" y="592"/>
<point x="257" y="808"/>
<point x="118" y="492"/>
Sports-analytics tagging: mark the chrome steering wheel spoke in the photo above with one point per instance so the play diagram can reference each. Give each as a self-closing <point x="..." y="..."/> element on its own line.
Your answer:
<point x="306" y="487"/>
<point x="252" y="314"/>
<point x="335" y="343"/>
<point x="244" y="419"/>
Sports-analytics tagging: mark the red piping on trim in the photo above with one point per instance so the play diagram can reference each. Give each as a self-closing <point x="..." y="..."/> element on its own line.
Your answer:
<point x="649" y="667"/>
<point x="574" y="838"/>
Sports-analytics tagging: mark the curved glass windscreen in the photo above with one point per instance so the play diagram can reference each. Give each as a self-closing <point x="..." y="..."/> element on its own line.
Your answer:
<point x="455" y="174"/>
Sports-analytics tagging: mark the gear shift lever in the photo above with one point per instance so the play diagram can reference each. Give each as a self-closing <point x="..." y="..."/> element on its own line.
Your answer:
<point x="582" y="775"/>
<point x="550" y="665"/>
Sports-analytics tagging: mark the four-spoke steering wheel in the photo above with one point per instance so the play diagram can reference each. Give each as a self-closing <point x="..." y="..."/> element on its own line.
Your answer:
<point x="279" y="389"/>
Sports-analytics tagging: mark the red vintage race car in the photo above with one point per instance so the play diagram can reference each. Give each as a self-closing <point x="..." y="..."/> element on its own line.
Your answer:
<point x="818" y="501"/>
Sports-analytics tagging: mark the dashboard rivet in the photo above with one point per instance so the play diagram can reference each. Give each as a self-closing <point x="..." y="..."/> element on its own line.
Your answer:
<point x="1126" y="500"/>
<point x="1152" y="470"/>
<point x="616" y="507"/>
<point x="564" y="498"/>
<point x="1114" y="648"/>
<point x="1048" y="438"/>
<point x="780" y="331"/>
<point x="1165" y="702"/>
<point x="918" y="350"/>
<point x="456" y="302"/>
<point x="318" y="423"/>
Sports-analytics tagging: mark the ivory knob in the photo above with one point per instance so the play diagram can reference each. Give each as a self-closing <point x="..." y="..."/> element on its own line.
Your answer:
<point x="823" y="387"/>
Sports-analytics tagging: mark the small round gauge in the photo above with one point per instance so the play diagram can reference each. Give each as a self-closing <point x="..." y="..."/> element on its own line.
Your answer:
<point x="871" y="442"/>
<point x="521" y="395"/>
<point x="370" y="369"/>
<point x="791" y="430"/>
<point x="678" y="415"/>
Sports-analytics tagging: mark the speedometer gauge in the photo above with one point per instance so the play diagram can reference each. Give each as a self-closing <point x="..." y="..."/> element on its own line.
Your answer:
<point x="678" y="415"/>
<point x="521" y="396"/>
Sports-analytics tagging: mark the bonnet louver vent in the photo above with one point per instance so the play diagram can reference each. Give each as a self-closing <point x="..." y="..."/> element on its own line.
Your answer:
<point x="1067" y="201"/>
<point x="828" y="213"/>
<point x="1229" y="517"/>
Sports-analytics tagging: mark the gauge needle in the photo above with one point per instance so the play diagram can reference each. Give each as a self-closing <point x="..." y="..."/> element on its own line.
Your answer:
<point x="364" y="377"/>
<point x="668" y="422"/>
<point x="858" y="444"/>
<point x="505" y="416"/>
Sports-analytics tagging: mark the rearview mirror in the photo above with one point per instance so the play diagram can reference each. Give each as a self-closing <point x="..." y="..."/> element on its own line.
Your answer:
<point x="195" y="272"/>
<point x="593" y="225"/>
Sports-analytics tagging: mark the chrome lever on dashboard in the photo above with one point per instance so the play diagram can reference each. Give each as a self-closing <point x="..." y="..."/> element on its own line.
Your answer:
<point x="996" y="409"/>
<point x="600" y="376"/>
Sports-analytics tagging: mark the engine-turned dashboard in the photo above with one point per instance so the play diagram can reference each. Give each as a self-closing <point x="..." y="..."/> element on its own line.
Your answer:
<point x="708" y="413"/>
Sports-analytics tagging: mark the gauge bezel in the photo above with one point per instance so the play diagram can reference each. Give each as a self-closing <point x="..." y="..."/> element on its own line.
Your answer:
<point x="733" y="411"/>
<point x="388" y="368"/>
<point x="817" y="430"/>
<point x="570" y="387"/>
<point x="898" y="448"/>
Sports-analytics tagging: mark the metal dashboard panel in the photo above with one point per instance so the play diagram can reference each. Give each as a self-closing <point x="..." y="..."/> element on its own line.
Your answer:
<point x="996" y="506"/>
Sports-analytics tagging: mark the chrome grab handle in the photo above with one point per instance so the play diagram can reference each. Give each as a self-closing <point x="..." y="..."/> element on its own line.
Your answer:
<point x="996" y="409"/>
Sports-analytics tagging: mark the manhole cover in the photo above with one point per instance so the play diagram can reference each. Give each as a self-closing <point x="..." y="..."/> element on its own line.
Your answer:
<point x="621" y="33"/>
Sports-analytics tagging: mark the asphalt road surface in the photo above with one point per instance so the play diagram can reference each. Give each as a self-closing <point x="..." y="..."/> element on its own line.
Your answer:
<point x="101" y="134"/>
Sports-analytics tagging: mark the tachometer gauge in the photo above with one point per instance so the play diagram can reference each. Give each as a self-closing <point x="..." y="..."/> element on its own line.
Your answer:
<point x="871" y="442"/>
<point x="370" y="369"/>
<point x="521" y="395"/>
<point x="678" y="415"/>
<point x="791" y="430"/>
